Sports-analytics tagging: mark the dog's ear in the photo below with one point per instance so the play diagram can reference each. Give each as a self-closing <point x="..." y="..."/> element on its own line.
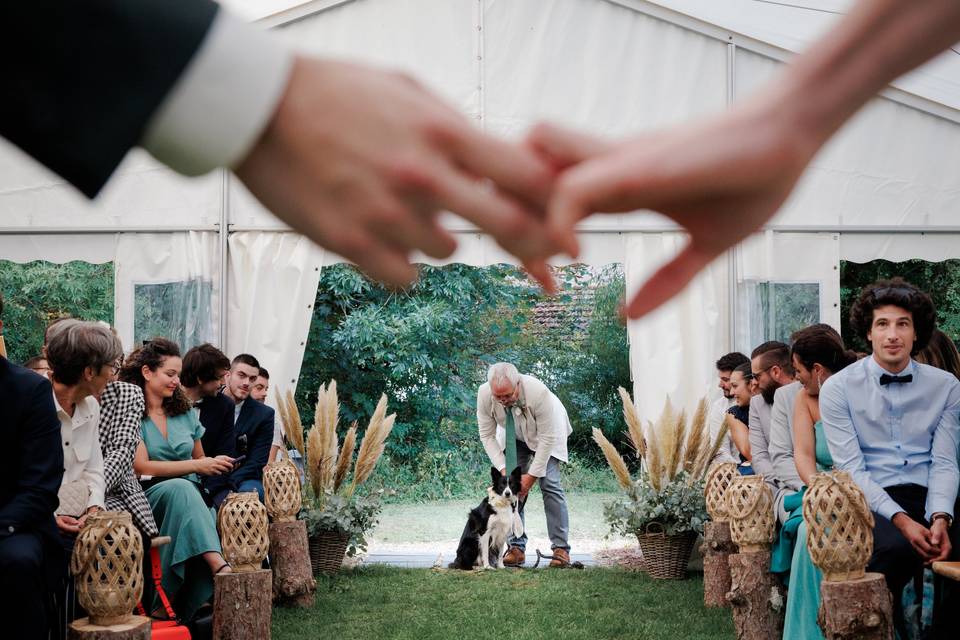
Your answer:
<point x="494" y="475"/>
<point x="515" y="480"/>
<point x="516" y="473"/>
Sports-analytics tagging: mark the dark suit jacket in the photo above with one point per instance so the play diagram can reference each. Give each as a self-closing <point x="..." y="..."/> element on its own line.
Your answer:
<point x="31" y="453"/>
<point x="219" y="436"/>
<point x="256" y="421"/>
<point x="82" y="79"/>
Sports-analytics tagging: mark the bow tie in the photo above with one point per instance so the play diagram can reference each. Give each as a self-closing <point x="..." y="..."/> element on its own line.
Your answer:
<point x="886" y="379"/>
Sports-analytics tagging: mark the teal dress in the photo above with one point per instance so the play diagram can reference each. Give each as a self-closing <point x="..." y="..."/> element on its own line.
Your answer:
<point x="182" y="514"/>
<point x="803" y="595"/>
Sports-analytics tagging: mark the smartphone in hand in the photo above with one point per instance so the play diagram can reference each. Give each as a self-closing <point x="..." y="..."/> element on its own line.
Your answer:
<point x="238" y="461"/>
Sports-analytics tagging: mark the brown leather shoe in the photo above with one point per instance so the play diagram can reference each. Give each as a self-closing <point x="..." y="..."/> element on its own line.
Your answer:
<point x="561" y="558"/>
<point x="514" y="557"/>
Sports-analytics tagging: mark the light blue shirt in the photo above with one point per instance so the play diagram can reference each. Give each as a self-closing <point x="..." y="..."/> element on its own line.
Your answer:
<point x="901" y="433"/>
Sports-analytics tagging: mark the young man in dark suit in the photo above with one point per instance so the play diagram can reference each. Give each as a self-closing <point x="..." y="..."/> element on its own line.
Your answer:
<point x="204" y="373"/>
<point x="31" y="469"/>
<point x="253" y="426"/>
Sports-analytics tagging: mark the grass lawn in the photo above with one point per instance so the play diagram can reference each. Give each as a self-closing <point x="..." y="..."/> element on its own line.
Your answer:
<point x="379" y="603"/>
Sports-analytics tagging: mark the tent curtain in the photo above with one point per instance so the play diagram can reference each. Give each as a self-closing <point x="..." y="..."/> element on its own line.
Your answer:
<point x="865" y="247"/>
<point x="95" y="249"/>
<point x="166" y="285"/>
<point x="672" y="350"/>
<point x="273" y="279"/>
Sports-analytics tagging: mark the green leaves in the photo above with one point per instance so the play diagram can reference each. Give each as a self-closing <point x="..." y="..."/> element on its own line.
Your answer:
<point x="679" y="507"/>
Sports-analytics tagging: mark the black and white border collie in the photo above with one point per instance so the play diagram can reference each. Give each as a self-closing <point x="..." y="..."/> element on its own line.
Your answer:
<point x="491" y="524"/>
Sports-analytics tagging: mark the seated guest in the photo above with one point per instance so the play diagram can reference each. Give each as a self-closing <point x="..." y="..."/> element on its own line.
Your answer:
<point x="718" y="410"/>
<point x="259" y="393"/>
<point x="893" y="424"/>
<point x="253" y="423"/>
<point x="82" y="356"/>
<point x="817" y="353"/>
<point x="38" y="364"/>
<point x="172" y="456"/>
<point x="204" y="371"/>
<point x="770" y="369"/>
<point x="31" y="556"/>
<point x="941" y="353"/>
<point x="738" y="415"/>
<point x="121" y="410"/>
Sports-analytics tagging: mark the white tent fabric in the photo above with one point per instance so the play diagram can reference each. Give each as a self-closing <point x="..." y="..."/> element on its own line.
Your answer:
<point x="608" y="66"/>
<point x="273" y="285"/>
<point x="672" y="350"/>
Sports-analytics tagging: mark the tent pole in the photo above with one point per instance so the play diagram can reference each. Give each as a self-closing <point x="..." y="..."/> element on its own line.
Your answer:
<point x="223" y="235"/>
<point x="732" y="253"/>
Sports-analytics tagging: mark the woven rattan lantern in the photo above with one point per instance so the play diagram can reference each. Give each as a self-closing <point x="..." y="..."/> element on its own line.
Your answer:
<point x="718" y="479"/>
<point x="281" y="490"/>
<point x="839" y="526"/>
<point x="242" y="521"/>
<point x="750" y="509"/>
<point x="107" y="565"/>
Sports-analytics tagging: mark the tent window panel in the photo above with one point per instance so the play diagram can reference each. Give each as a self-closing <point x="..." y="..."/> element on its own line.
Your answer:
<point x="180" y="311"/>
<point x="774" y="310"/>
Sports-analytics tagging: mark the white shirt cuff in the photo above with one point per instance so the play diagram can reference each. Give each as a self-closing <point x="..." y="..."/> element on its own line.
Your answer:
<point x="222" y="102"/>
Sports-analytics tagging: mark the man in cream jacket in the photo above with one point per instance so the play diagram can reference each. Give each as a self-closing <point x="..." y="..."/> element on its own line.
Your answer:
<point x="541" y="427"/>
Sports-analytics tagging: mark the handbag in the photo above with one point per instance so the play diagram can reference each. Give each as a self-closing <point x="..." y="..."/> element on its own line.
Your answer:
<point x="73" y="497"/>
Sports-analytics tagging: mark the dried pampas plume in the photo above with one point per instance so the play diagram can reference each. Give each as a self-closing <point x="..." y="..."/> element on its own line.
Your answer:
<point x="617" y="465"/>
<point x="372" y="445"/>
<point x="322" y="441"/>
<point x="695" y="439"/>
<point x="634" y="429"/>
<point x="346" y="457"/>
<point x="292" y="427"/>
<point x="654" y="464"/>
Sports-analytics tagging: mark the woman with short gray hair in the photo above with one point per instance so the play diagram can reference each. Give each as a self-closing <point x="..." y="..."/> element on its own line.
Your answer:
<point x="82" y="357"/>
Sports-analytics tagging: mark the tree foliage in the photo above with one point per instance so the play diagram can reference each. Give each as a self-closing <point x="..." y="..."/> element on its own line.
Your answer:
<point x="939" y="279"/>
<point x="37" y="292"/>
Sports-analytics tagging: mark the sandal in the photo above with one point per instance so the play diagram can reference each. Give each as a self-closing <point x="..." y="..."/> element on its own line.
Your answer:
<point x="222" y="567"/>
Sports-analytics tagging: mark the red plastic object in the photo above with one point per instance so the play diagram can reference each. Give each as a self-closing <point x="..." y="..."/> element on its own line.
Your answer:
<point x="164" y="629"/>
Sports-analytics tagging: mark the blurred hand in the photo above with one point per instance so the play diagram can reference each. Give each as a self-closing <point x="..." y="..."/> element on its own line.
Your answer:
<point x="719" y="179"/>
<point x="68" y="524"/>
<point x="362" y="161"/>
<point x="919" y="537"/>
<point x="940" y="539"/>
<point x="526" y="483"/>
<point x="213" y="466"/>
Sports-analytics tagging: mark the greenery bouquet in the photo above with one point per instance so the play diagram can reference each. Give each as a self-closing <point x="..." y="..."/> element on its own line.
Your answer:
<point x="337" y="517"/>
<point x="664" y="505"/>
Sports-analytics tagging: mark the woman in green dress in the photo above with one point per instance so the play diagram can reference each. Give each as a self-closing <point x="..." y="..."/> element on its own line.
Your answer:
<point x="168" y="461"/>
<point x="818" y="352"/>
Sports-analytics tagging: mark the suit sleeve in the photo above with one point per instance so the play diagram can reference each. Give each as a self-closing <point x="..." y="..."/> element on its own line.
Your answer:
<point x="759" y="452"/>
<point x="120" y="431"/>
<point x="488" y="429"/>
<point x="82" y="79"/>
<point x="259" y="451"/>
<point x="41" y="469"/>
<point x="781" y="441"/>
<point x="547" y="431"/>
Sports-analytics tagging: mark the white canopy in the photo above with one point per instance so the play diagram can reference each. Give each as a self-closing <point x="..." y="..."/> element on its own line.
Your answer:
<point x="607" y="66"/>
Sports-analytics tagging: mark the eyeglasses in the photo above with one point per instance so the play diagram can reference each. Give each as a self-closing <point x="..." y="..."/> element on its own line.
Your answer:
<point x="755" y="375"/>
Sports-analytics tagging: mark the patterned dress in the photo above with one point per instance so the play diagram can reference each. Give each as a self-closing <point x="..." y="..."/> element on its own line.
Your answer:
<point x="121" y="410"/>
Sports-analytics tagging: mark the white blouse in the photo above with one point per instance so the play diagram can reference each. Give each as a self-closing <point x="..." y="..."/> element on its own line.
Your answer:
<point x="82" y="458"/>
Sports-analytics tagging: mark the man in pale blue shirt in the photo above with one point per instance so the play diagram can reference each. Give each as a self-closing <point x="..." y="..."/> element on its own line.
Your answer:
<point x="893" y="424"/>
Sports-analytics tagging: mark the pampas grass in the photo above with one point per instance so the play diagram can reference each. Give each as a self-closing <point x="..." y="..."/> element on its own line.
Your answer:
<point x="372" y="445"/>
<point x="345" y="457"/>
<point x="292" y="427"/>
<point x="665" y="448"/>
<point x="634" y="428"/>
<point x="616" y="463"/>
<point x="322" y="441"/>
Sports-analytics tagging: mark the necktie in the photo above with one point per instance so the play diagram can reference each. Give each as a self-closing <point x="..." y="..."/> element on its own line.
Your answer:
<point x="886" y="379"/>
<point x="511" y="441"/>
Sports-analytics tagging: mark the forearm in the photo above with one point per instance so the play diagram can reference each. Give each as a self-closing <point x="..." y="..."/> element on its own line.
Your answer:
<point x="877" y="42"/>
<point x="740" y="435"/>
<point x="806" y="466"/>
<point x="165" y="469"/>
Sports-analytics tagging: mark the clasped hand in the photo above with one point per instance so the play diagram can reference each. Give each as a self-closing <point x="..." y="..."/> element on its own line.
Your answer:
<point x="363" y="162"/>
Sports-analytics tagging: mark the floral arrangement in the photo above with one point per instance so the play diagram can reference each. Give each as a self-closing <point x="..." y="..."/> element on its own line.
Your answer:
<point x="332" y="503"/>
<point x="674" y="459"/>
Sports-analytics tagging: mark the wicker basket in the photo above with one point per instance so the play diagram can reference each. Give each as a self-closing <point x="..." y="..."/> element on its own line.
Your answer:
<point x="327" y="549"/>
<point x="243" y="526"/>
<point x="664" y="556"/>
<point x="107" y="565"/>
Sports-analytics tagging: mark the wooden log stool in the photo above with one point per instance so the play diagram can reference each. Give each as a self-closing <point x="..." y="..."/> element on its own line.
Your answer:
<point x="293" y="582"/>
<point x="853" y="603"/>
<point x="755" y="594"/>
<point x="718" y="544"/>
<point x="243" y="600"/>
<point x="107" y="565"/>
